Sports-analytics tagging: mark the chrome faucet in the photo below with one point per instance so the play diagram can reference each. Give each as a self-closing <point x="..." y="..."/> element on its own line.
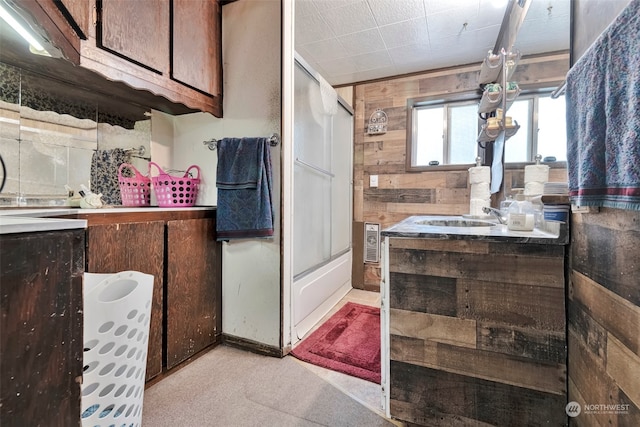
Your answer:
<point x="495" y="212"/>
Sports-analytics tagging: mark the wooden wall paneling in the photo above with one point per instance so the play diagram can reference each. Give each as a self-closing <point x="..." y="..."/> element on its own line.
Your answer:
<point x="464" y="246"/>
<point x="372" y="277"/>
<point x="540" y="345"/>
<point x="589" y="376"/>
<point x="358" y="153"/>
<point x="426" y="294"/>
<point x="589" y="333"/>
<point x="575" y="396"/>
<point x="415" y="180"/>
<point x="357" y="269"/>
<point x="601" y="243"/>
<point x="41" y="325"/>
<point x="617" y="315"/>
<point x="384" y="156"/>
<point x="479" y="314"/>
<point x="425" y="208"/>
<point x="451" y="196"/>
<point x="405" y="195"/>
<point x="385" y="218"/>
<point x="452" y="83"/>
<point x="192" y="297"/>
<point x="424" y="396"/>
<point x="433" y="327"/>
<point x="624" y="367"/>
<point x="631" y="417"/>
<point x="513" y="269"/>
<point x="515" y="304"/>
<point x="137" y="246"/>
<point x="604" y="315"/>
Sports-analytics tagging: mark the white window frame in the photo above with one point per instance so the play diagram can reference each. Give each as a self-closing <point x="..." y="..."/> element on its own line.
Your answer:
<point x="415" y="105"/>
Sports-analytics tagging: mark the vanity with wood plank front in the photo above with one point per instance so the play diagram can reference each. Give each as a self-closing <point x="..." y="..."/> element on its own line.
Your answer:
<point x="474" y="324"/>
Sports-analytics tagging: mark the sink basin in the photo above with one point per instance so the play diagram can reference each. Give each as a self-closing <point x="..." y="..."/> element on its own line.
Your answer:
<point x="456" y="223"/>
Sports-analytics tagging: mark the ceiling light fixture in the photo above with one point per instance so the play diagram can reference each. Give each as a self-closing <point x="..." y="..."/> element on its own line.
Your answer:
<point x="34" y="45"/>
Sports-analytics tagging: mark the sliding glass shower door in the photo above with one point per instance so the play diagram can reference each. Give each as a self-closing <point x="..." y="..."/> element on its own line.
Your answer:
<point x="322" y="177"/>
<point x="323" y="140"/>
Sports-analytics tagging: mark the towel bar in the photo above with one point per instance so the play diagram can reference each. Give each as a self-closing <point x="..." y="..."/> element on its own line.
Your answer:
<point x="274" y="140"/>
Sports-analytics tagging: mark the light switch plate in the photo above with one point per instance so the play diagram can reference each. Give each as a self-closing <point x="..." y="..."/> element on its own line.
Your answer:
<point x="373" y="181"/>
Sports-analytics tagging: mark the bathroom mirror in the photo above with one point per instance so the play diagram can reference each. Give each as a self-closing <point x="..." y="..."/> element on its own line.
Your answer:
<point x="50" y="131"/>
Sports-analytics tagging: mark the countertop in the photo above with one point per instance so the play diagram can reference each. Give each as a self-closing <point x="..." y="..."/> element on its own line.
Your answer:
<point x="554" y="234"/>
<point x="29" y="220"/>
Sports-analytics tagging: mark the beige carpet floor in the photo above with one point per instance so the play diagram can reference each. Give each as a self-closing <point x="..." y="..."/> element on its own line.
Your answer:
<point x="232" y="387"/>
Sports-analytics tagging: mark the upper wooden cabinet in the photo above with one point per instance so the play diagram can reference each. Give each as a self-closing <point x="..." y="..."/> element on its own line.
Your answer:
<point x="194" y="37"/>
<point x="169" y="50"/>
<point x="138" y="31"/>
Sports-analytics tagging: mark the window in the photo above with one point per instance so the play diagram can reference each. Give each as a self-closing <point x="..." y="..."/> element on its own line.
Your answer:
<point x="446" y="131"/>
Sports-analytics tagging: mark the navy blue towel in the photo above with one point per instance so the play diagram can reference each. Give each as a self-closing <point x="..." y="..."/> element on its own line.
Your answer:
<point x="244" y="183"/>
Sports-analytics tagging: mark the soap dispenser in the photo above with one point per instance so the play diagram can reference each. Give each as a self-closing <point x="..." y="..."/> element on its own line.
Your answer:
<point x="521" y="215"/>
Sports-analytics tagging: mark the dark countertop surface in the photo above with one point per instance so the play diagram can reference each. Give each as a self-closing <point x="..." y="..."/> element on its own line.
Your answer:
<point x="555" y="233"/>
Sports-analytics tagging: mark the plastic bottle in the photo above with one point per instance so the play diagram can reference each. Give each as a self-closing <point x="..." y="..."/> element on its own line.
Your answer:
<point x="521" y="215"/>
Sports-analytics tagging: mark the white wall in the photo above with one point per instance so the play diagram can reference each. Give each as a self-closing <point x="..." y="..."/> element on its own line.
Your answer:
<point x="252" y="107"/>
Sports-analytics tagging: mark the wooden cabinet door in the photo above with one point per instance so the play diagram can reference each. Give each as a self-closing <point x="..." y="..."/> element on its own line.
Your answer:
<point x="137" y="246"/>
<point x="193" y="292"/>
<point x="81" y="14"/>
<point x="138" y="31"/>
<point x="197" y="35"/>
<point x="41" y="328"/>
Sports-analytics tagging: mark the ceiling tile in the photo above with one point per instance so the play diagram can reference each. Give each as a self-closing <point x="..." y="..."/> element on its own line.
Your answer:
<point x="438" y="6"/>
<point x="325" y="50"/>
<point x="311" y="28"/>
<point x="387" y="12"/>
<point x="548" y="9"/>
<point x="332" y="4"/>
<point x="336" y="67"/>
<point x="467" y="42"/>
<point x="489" y="15"/>
<point x="362" y="42"/>
<point x="406" y="32"/>
<point x="409" y="53"/>
<point x="365" y="75"/>
<point x="373" y="60"/>
<point x="451" y="23"/>
<point x="305" y="8"/>
<point x="348" y="19"/>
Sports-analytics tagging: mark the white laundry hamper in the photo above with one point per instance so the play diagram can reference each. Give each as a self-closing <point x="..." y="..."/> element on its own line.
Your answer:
<point x="117" y="312"/>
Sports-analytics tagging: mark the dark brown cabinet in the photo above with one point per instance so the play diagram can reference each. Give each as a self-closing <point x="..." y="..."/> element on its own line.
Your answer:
<point x="192" y="298"/>
<point x="41" y="328"/>
<point x="169" y="50"/>
<point x="137" y="246"/>
<point x="180" y="250"/>
<point x="196" y="45"/>
<point x="136" y="30"/>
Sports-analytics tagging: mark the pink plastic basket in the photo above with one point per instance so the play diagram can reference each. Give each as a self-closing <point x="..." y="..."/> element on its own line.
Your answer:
<point x="175" y="191"/>
<point x="134" y="190"/>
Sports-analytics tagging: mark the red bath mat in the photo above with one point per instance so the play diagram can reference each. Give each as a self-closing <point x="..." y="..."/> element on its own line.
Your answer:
<point x="349" y="342"/>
